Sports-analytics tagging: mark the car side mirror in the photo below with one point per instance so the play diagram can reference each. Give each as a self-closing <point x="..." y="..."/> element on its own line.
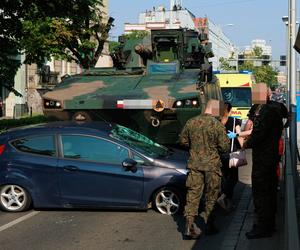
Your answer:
<point x="130" y="165"/>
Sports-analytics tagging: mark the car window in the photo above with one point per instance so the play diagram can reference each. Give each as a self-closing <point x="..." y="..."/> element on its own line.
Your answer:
<point x="138" y="141"/>
<point x="92" y="149"/>
<point x="41" y="145"/>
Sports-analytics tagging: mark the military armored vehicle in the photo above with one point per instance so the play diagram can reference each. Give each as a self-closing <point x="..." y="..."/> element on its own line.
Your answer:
<point x="157" y="84"/>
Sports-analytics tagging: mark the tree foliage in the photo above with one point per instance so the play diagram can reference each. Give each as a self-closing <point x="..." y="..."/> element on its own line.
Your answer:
<point x="264" y="73"/>
<point x="136" y="34"/>
<point x="225" y="65"/>
<point x="257" y="51"/>
<point x="67" y="30"/>
<point x="63" y="29"/>
<point x="10" y="35"/>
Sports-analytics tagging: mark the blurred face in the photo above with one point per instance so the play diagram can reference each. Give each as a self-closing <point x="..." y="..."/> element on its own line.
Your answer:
<point x="259" y="93"/>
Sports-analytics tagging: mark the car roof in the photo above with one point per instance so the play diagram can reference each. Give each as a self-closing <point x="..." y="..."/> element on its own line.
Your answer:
<point x="99" y="127"/>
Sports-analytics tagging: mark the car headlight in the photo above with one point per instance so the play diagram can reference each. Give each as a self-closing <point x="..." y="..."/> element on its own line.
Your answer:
<point x="195" y="102"/>
<point x="182" y="171"/>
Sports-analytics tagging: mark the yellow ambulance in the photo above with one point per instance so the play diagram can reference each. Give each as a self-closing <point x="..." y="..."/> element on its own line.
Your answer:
<point x="236" y="88"/>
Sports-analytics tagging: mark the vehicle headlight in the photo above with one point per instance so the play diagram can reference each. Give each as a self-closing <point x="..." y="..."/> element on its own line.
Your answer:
<point x="50" y="104"/>
<point x="179" y="103"/>
<point x="186" y="103"/>
<point x="182" y="171"/>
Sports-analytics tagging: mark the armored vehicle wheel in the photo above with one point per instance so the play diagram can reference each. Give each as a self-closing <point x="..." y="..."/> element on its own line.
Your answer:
<point x="82" y="116"/>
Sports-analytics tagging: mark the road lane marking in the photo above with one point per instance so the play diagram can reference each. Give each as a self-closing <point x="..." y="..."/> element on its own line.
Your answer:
<point x="16" y="221"/>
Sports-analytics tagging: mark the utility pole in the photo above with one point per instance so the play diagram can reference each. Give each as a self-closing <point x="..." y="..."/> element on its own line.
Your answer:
<point x="292" y="78"/>
<point x="292" y="53"/>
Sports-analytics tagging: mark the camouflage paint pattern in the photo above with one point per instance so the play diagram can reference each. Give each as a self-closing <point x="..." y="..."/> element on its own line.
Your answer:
<point x="94" y="94"/>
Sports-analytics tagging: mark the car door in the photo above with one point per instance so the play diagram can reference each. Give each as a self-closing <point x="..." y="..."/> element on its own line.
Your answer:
<point x="91" y="173"/>
<point x="33" y="164"/>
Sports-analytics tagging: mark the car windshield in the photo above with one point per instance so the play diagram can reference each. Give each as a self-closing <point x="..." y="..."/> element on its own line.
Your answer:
<point x="238" y="97"/>
<point x="138" y="141"/>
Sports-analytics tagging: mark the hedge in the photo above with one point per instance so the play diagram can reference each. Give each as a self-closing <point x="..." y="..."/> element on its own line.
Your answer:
<point x="11" y="123"/>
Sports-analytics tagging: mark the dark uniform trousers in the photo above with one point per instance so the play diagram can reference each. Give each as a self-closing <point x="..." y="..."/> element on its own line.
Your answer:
<point x="264" y="191"/>
<point x="198" y="181"/>
<point x="264" y="140"/>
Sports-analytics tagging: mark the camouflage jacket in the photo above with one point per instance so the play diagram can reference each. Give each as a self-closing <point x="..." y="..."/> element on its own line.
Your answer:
<point x="206" y="138"/>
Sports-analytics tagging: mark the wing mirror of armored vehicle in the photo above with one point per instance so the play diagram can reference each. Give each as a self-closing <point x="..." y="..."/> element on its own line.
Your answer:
<point x="129" y="165"/>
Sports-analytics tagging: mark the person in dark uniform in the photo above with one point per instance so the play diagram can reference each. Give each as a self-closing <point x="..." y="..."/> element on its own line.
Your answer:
<point x="264" y="139"/>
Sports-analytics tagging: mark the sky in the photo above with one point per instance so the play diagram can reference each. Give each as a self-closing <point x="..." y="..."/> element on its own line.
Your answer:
<point x="251" y="19"/>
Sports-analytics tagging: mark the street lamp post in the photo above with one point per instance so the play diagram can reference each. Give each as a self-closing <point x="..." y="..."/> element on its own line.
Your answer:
<point x="285" y="19"/>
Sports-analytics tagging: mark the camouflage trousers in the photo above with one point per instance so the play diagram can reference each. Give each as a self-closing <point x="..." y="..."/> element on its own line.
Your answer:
<point x="198" y="182"/>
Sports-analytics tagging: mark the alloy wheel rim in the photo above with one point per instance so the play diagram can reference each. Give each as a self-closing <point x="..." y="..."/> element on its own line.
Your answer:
<point x="167" y="202"/>
<point x="13" y="197"/>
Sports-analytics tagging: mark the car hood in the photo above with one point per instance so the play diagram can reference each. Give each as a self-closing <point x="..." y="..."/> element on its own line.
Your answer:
<point x="176" y="159"/>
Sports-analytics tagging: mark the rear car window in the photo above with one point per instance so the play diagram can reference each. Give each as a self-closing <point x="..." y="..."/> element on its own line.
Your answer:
<point x="40" y="145"/>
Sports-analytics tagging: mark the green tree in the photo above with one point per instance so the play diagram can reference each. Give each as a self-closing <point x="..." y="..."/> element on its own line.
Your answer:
<point x="264" y="73"/>
<point x="10" y="35"/>
<point x="67" y="30"/>
<point x="113" y="45"/>
<point x="224" y="64"/>
<point x="136" y="34"/>
<point x="257" y="51"/>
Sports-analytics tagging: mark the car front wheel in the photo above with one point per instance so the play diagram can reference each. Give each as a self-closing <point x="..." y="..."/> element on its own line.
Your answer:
<point x="14" y="198"/>
<point x="168" y="201"/>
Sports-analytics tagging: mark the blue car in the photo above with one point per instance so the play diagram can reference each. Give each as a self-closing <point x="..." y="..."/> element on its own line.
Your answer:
<point x="90" y="165"/>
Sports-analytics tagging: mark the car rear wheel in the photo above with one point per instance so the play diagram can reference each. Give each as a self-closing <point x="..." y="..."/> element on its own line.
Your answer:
<point x="14" y="198"/>
<point x="168" y="201"/>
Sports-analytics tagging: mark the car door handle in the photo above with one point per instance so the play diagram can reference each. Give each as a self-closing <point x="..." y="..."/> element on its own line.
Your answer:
<point x="70" y="168"/>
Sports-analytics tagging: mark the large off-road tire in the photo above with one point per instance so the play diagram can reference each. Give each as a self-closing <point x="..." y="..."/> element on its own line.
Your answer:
<point x="14" y="198"/>
<point x="82" y="116"/>
<point x="168" y="200"/>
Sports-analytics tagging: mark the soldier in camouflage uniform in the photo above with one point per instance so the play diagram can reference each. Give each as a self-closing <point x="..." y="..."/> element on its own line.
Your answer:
<point x="206" y="138"/>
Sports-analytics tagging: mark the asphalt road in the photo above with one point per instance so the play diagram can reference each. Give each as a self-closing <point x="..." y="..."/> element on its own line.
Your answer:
<point x="65" y="229"/>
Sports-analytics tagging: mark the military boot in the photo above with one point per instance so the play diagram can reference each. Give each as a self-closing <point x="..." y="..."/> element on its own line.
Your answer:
<point x="192" y="231"/>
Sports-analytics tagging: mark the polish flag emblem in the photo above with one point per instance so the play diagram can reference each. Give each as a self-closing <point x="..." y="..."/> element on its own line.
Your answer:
<point x="120" y="104"/>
